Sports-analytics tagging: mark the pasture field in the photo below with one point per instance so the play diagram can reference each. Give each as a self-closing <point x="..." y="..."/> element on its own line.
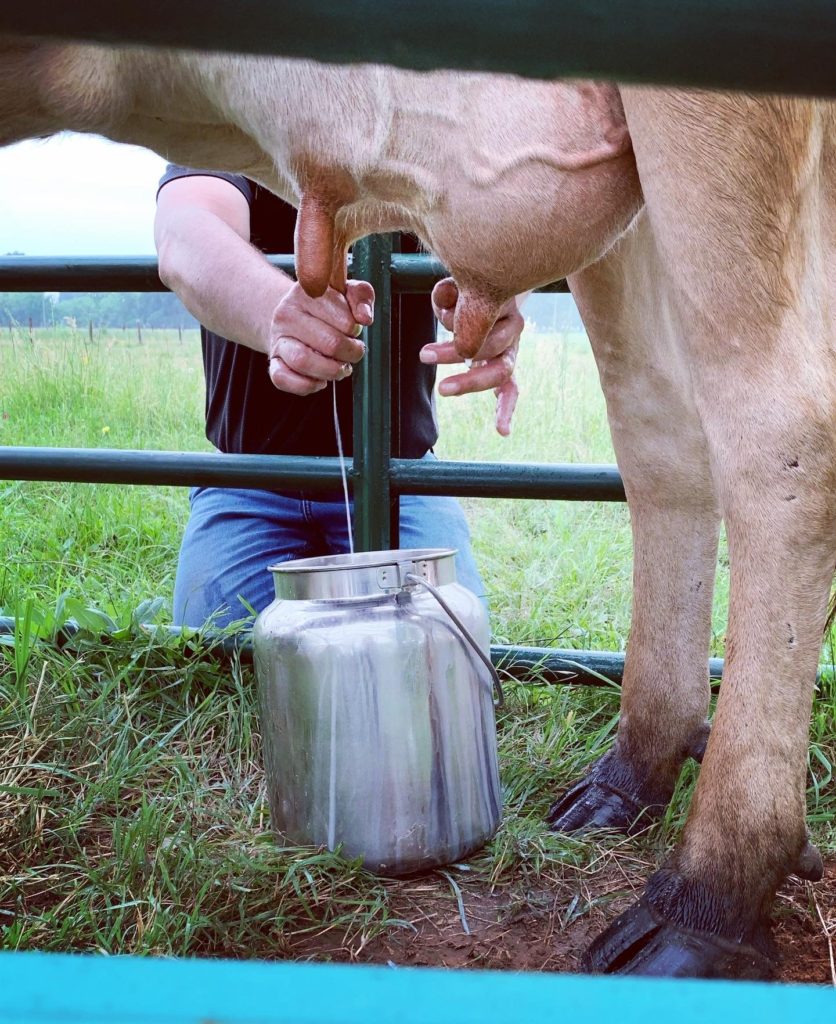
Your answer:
<point x="133" y="815"/>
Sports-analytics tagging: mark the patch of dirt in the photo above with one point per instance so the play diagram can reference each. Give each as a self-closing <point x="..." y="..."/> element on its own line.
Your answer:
<point x="548" y="927"/>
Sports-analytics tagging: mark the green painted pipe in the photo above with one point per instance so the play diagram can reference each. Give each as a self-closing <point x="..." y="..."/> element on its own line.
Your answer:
<point x="91" y="273"/>
<point x="373" y="403"/>
<point x="566" y="482"/>
<point x="411" y="272"/>
<point x="545" y="664"/>
<point x="559" y="666"/>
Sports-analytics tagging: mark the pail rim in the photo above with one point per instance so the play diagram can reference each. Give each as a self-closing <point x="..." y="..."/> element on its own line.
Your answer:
<point x="361" y="560"/>
<point x="363" y="574"/>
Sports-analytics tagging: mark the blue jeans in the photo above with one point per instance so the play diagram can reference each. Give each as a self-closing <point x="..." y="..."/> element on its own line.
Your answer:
<point x="234" y="534"/>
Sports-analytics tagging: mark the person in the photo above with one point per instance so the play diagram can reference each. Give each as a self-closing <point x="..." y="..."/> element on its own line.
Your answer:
<point x="211" y="231"/>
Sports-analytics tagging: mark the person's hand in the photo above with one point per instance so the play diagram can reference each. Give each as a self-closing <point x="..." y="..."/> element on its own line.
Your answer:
<point x="314" y="341"/>
<point x="492" y="366"/>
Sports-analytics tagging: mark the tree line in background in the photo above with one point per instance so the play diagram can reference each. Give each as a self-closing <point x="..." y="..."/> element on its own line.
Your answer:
<point x="163" y="309"/>
<point x="102" y="309"/>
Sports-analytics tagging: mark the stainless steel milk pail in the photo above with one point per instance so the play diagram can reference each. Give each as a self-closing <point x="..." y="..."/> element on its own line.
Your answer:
<point x="377" y="716"/>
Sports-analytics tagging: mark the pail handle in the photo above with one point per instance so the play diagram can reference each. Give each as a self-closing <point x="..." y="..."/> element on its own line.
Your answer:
<point x="465" y="632"/>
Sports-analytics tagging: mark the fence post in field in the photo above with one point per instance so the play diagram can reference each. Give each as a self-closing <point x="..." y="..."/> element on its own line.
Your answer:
<point x="31" y="334"/>
<point x="90" y="330"/>
<point x="138" y="332"/>
<point x="179" y="332"/>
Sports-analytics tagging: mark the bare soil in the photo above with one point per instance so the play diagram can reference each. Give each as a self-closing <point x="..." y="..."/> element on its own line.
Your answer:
<point x="548" y="927"/>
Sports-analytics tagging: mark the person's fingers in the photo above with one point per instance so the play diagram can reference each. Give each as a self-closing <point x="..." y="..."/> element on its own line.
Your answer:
<point x="293" y="383"/>
<point x="503" y="337"/>
<point x="308" y="362"/>
<point x="317" y="334"/>
<point x="506" y="402"/>
<point x="331" y="308"/>
<point x="481" y="376"/>
<point x="442" y="352"/>
<point x="360" y="298"/>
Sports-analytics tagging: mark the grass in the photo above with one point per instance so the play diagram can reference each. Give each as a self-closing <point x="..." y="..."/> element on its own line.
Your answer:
<point x="133" y="815"/>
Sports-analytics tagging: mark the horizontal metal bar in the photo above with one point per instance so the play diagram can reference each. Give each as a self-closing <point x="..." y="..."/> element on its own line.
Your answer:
<point x="213" y="469"/>
<point x="563" y="666"/>
<point x="411" y="272"/>
<point x="183" y="469"/>
<point x="768" y="45"/>
<point x="418" y="272"/>
<point x="565" y="481"/>
<point x="547" y="664"/>
<point x="91" y="273"/>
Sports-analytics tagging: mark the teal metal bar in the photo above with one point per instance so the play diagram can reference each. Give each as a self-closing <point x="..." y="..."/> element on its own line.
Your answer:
<point x="92" y="273"/>
<point x="44" y="988"/>
<point x="183" y="469"/>
<point x="562" y="666"/>
<point x="568" y="482"/>
<point x="547" y="664"/>
<point x="767" y="45"/>
<point x="411" y="272"/>
<point x="373" y="402"/>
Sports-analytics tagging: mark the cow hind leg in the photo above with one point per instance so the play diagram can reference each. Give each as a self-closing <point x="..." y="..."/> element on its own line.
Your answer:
<point x="663" y="458"/>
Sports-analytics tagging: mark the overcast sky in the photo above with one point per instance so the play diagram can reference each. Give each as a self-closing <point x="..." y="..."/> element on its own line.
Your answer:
<point x="77" y="195"/>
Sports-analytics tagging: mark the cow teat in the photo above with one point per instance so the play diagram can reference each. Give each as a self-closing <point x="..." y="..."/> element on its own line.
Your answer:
<point x="477" y="310"/>
<point x="320" y="250"/>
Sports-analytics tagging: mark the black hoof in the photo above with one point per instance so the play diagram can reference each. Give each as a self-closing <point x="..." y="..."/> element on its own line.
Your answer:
<point x="607" y="797"/>
<point x="641" y="941"/>
<point x="621" y="795"/>
<point x="810" y="865"/>
<point x="591" y="804"/>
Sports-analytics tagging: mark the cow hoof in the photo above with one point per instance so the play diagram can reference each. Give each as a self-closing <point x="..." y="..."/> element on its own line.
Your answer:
<point x="606" y="797"/>
<point x="641" y="941"/>
<point x="810" y="866"/>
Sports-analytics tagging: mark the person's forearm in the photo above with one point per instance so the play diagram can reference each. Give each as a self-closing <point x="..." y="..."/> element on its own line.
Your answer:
<point x="223" y="281"/>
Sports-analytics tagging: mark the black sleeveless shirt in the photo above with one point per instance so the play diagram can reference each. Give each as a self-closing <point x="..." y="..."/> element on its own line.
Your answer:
<point x="246" y="413"/>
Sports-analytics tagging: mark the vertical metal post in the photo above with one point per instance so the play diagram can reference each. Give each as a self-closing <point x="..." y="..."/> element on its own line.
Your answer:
<point x="372" y="401"/>
<point x="395" y="389"/>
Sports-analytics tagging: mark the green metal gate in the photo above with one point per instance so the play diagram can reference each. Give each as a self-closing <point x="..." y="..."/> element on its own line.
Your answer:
<point x="761" y="45"/>
<point x="749" y="44"/>
<point x="375" y="478"/>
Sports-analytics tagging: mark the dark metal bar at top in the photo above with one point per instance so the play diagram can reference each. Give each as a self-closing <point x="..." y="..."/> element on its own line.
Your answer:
<point x="765" y="45"/>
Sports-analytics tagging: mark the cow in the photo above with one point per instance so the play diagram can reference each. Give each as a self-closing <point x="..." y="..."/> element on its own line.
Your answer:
<point x="698" y="233"/>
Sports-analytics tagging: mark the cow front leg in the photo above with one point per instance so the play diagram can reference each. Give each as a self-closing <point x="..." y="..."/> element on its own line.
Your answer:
<point x="739" y="194"/>
<point x="706" y="912"/>
<point x="663" y="458"/>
